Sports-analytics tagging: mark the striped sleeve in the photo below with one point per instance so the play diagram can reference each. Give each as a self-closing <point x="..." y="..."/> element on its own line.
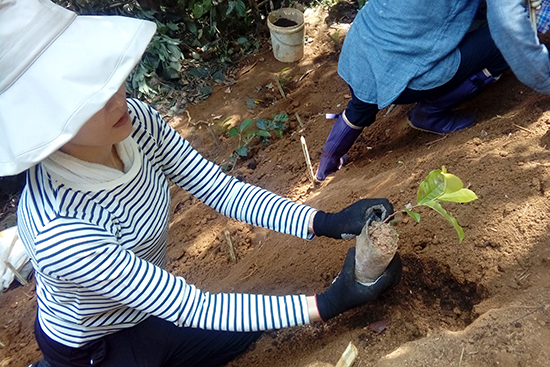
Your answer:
<point x="205" y="180"/>
<point x="90" y="257"/>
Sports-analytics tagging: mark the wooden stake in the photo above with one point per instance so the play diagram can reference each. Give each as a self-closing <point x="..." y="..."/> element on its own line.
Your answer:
<point x="308" y="162"/>
<point x="230" y="243"/>
<point x="348" y="357"/>
<point x="533" y="16"/>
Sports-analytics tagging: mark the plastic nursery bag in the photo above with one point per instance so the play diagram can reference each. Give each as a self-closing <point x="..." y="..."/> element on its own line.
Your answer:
<point x="12" y="251"/>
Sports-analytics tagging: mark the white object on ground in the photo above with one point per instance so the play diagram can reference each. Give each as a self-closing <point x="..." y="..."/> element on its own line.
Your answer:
<point x="12" y="251"/>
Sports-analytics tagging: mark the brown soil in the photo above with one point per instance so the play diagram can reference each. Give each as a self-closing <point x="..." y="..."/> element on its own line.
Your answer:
<point x="483" y="302"/>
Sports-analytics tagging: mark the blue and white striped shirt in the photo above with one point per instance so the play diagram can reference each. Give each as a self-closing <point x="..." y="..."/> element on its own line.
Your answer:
<point x="99" y="249"/>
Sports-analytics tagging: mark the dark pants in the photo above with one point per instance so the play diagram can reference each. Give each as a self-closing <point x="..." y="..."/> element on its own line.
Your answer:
<point x="478" y="51"/>
<point x="152" y="343"/>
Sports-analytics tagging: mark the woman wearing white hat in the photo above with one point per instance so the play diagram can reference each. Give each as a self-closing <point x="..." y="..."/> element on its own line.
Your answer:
<point x="94" y="213"/>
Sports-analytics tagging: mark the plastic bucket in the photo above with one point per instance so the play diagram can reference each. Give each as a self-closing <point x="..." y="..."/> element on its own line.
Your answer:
<point x="287" y="42"/>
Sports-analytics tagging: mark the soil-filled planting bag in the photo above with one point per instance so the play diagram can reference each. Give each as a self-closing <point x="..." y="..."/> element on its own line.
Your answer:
<point x="374" y="250"/>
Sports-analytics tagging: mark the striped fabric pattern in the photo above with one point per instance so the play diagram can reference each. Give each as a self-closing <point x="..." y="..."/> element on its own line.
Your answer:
<point x="99" y="250"/>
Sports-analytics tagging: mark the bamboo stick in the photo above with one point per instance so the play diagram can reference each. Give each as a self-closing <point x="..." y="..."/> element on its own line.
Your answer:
<point x="308" y="162"/>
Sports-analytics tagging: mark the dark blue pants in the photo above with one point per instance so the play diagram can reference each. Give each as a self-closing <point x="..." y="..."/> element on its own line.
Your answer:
<point x="478" y="51"/>
<point x="152" y="343"/>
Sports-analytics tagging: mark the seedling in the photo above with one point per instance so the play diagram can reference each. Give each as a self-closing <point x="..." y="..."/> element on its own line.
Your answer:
<point x="440" y="186"/>
<point x="247" y="135"/>
<point x="282" y="79"/>
<point x="377" y="243"/>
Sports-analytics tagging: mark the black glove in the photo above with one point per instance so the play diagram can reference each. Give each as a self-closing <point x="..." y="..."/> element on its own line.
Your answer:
<point x="346" y="293"/>
<point x="349" y="222"/>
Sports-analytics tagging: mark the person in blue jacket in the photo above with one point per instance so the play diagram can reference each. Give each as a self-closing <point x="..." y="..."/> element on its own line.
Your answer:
<point x="437" y="53"/>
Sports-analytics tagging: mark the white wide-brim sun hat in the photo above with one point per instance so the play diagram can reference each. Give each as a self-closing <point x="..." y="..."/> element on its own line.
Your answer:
<point x="57" y="70"/>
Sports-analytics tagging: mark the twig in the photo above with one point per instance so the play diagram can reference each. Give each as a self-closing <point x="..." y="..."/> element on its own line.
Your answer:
<point x="308" y="162"/>
<point x="305" y="74"/>
<point x="230" y="243"/>
<point x="436" y="140"/>
<point x="540" y="308"/>
<point x="280" y="87"/>
<point x="214" y="136"/>
<point x="392" y="106"/>
<point x="2" y="345"/>
<point x="299" y="120"/>
<point x="188" y="116"/>
<point x="523" y="128"/>
<point x="461" y="355"/>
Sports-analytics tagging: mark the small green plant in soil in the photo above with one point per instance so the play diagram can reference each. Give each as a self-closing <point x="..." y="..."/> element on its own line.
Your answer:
<point x="440" y="186"/>
<point x="282" y="79"/>
<point x="377" y="243"/>
<point x="247" y="134"/>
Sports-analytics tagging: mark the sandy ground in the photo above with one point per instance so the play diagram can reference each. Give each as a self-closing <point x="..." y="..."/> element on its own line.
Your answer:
<point x="483" y="302"/>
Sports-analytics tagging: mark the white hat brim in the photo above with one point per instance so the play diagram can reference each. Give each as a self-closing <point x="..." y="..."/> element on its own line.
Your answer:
<point x="66" y="85"/>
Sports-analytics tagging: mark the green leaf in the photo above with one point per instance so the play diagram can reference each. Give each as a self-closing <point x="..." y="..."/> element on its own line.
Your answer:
<point x="242" y="40"/>
<point x="261" y="124"/>
<point x="460" y="196"/>
<point x="242" y="151"/>
<point x="192" y="27"/>
<point x="279" y="133"/>
<point x="198" y="10"/>
<point x="246" y="124"/>
<point x="263" y="133"/>
<point x="233" y="132"/>
<point x="240" y="8"/>
<point x="438" y="208"/>
<point x="414" y="215"/>
<point x="230" y="7"/>
<point x="431" y="188"/>
<point x="282" y="117"/>
<point x="172" y="26"/>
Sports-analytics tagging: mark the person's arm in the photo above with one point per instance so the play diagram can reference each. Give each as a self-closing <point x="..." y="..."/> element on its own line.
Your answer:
<point x="516" y="39"/>
<point x="244" y="202"/>
<point x="98" y="275"/>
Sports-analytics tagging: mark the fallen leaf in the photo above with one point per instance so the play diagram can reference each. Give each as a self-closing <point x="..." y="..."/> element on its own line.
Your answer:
<point x="379" y="326"/>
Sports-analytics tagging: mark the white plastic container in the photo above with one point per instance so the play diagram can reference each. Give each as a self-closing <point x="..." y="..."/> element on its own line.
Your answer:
<point x="287" y="42"/>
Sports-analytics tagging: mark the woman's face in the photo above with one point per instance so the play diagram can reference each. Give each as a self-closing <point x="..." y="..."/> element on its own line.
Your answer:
<point x="108" y="126"/>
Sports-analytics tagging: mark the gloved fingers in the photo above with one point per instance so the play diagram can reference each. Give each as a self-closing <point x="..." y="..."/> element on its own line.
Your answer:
<point x="378" y="212"/>
<point x="392" y="275"/>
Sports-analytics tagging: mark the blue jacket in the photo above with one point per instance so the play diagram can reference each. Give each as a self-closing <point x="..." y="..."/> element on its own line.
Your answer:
<point x="395" y="44"/>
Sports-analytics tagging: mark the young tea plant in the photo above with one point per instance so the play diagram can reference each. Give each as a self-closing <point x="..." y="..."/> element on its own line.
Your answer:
<point x="377" y="243"/>
<point x="247" y="134"/>
<point x="440" y="186"/>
